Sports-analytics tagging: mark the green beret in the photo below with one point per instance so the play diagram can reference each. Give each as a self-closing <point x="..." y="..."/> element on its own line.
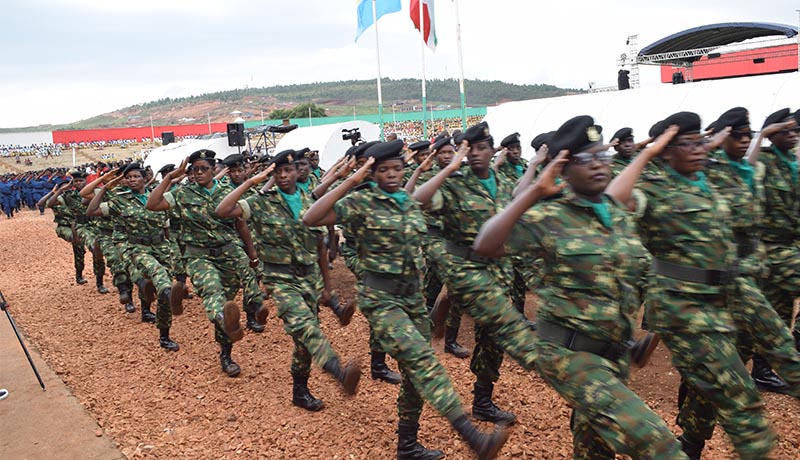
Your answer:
<point x="510" y="140"/>
<point x="575" y="135"/>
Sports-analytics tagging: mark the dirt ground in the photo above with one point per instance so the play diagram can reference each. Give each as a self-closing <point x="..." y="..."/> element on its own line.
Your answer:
<point x="155" y="404"/>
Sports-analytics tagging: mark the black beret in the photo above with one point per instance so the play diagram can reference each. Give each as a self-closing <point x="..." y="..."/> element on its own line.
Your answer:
<point x="203" y="154"/>
<point x="575" y="135"/>
<point x="458" y="138"/>
<point x="418" y="146"/>
<point x="77" y="174"/>
<point x="688" y="123"/>
<point x="542" y="139"/>
<point x="622" y="134"/>
<point x="656" y="129"/>
<point x="135" y="166"/>
<point x="385" y="151"/>
<point x="351" y="151"/>
<point x="361" y="149"/>
<point x="777" y="117"/>
<point x="510" y="140"/>
<point x="441" y="141"/>
<point x="301" y="153"/>
<point x="737" y="118"/>
<point x="233" y="160"/>
<point x="166" y="169"/>
<point x="478" y="133"/>
<point x="283" y="158"/>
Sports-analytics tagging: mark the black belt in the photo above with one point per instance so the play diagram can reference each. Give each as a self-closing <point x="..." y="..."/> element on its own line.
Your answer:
<point x="466" y="253"/>
<point x="693" y="275"/>
<point x="119" y="228"/>
<point x="403" y="286"/>
<point x="287" y="269"/>
<point x="577" y="341"/>
<point x="745" y="244"/>
<point x="81" y="219"/>
<point x="147" y="241"/>
<point x="434" y="231"/>
<point x="213" y="252"/>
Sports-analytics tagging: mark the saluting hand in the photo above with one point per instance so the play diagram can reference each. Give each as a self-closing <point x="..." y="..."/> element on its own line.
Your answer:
<point x="180" y="170"/>
<point x="427" y="163"/>
<point x="546" y="184"/>
<point x="500" y="159"/>
<point x="409" y="155"/>
<point x="718" y="138"/>
<point x="363" y="171"/>
<point x="776" y="127"/>
<point x="262" y="176"/>
<point x="455" y="163"/>
<point x="540" y="156"/>
<point x="660" y="143"/>
<point x="113" y="182"/>
<point x="345" y="168"/>
<point x="107" y="175"/>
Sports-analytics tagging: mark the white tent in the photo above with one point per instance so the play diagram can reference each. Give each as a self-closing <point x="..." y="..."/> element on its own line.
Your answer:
<point x="641" y="108"/>
<point x="176" y="152"/>
<point x="327" y="139"/>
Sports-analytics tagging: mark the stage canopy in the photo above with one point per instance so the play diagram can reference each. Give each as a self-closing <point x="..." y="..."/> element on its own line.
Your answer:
<point x="176" y="152"/>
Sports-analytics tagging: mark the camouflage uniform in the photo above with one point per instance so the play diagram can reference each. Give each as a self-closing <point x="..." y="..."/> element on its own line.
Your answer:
<point x="214" y="257"/>
<point x="480" y="285"/>
<point x="288" y="250"/>
<point x="126" y="272"/>
<point x="586" y="318"/>
<point x="387" y="239"/>
<point x="687" y="230"/>
<point x="84" y="229"/>
<point x="63" y="220"/>
<point x="148" y="249"/>
<point x="781" y="233"/>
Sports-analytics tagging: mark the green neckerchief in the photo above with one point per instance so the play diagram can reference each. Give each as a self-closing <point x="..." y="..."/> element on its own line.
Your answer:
<point x="142" y="198"/>
<point x="400" y="196"/>
<point x="518" y="168"/>
<point x="293" y="202"/>
<point x="602" y="210"/>
<point x="304" y="186"/>
<point x="743" y="169"/>
<point x="490" y="184"/>
<point x="701" y="182"/>
<point x="213" y="188"/>
<point x="792" y="164"/>
<point x="317" y="172"/>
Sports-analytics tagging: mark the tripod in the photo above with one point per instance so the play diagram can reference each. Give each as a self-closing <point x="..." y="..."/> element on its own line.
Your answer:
<point x="4" y="306"/>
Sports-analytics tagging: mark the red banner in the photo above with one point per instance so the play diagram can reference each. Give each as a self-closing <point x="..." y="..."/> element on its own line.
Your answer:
<point x="144" y="132"/>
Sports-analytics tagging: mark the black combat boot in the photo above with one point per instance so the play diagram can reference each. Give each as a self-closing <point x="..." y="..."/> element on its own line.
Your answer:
<point x="348" y="376"/>
<point x="80" y="279"/>
<point x="100" y="288"/>
<point x="408" y="448"/>
<point x="691" y="448"/>
<point x="130" y="307"/>
<point x="485" y="445"/>
<point x="228" y="365"/>
<point x="451" y="345"/>
<point x="147" y="315"/>
<point x="166" y="342"/>
<point x="765" y="379"/>
<point x="484" y="409"/>
<point x="301" y="397"/>
<point x="380" y="371"/>
<point x="256" y="314"/>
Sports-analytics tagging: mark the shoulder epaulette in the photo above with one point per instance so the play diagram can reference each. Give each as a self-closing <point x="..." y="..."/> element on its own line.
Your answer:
<point x="362" y="186"/>
<point x="652" y="177"/>
<point x="124" y="192"/>
<point x="269" y="192"/>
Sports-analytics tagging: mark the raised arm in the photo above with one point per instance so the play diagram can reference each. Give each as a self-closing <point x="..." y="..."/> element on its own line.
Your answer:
<point x="51" y="202"/>
<point x="754" y="150"/>
<point x="530" y="173"/>
<point x="321" y="213"/>
<point x="43" y="200"/>
<point x="425" y="193"/>
<point x="87" y="192"/>
<point x="621" y="188"/>
<point x="426" y="165"/>
<point x="495" y="231"/>
<point x="156" y="201"/>
<point x="93" y="209"/>
<point x="229" y="206"/>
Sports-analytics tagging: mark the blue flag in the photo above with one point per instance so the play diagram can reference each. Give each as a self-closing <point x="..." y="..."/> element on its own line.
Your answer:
<point x="365" y="12"/>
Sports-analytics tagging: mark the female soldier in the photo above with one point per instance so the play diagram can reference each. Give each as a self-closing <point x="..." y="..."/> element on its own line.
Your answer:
<point x="215" y="260"/>
<point x="289" y="251"/>
<point x="587" y="306"/>
<point x="388" y="226"/>
<point x="148" y="248"/>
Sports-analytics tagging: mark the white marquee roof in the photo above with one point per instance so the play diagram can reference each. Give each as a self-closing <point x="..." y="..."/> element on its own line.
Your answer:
<point x="327" y="139"/>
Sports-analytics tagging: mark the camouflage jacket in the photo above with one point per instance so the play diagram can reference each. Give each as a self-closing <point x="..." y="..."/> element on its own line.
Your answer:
<point x="200" y="224"/>
<point x="510" y="172"/>
<point x="138" y="221"/>
<point x="782" y="198"/>
<point x="72" y="206"/>
<point x="588" y="276"/>
<point x="746" y="205"/>
<point x="387" y="236"/>
<point x="431" y="219"/>
<point x="619" y="163"/>
<point x="280" y="239"/>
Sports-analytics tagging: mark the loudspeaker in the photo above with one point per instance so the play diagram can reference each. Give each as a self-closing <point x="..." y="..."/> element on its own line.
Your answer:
<point x="167" y="137"/>
<point x="236" y="135"/>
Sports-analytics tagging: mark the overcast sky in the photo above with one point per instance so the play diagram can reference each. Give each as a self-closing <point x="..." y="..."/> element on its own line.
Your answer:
<point x="66" y="60"/>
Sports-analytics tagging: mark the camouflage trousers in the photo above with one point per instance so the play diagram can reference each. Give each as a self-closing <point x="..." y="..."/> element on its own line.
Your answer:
<point x="78" y="251"/>
<point x="89" y="238"/>
<point x="403" y="329"/>
<point x="709" y="364"/>
<point x="115" y="261"/>
<point x="351" y="262"/>
<point x="498" y="326"/>
<point x="760" y="329"/>
<point x="151" y="263"/>
<point x="217" y="279"/>
<point x="297" y="301"/>
<point x="435" y="271"/>
<point x="178" y="266"/>
<point x="782" y="285"/>
<point x="607" y="418"/>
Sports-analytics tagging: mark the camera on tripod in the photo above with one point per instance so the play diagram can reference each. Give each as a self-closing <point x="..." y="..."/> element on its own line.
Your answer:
<point x="352" y="135"/>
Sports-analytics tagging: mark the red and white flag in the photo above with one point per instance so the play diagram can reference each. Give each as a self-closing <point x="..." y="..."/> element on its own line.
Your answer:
<point x="429" y="34"/>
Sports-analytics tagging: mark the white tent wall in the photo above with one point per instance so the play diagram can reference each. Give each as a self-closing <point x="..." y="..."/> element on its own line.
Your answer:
<point x="641" y="108"/>
<point x="175" y="153"/>
<point x="327" y="139"/>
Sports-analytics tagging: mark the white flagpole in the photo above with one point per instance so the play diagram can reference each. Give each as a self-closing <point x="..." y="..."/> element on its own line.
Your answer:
<point x="424" y="92"/>
<point x="209" y="121"/>
<point x="152" y="133"/>
<point x="378" y="54"/>
<point x="461" y="71"/>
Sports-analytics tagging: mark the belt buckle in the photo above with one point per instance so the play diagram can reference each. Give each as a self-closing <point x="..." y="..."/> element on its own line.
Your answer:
<point x="214" y="252"/>
<point x="298" y="270"/>
<point x="405" y="288"/>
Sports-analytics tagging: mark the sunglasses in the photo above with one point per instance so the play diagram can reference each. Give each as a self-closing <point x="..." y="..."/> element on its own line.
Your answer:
<point x="585" y="158"/>
<point x="201" y="169"/>
<point x="688" y="146"/>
